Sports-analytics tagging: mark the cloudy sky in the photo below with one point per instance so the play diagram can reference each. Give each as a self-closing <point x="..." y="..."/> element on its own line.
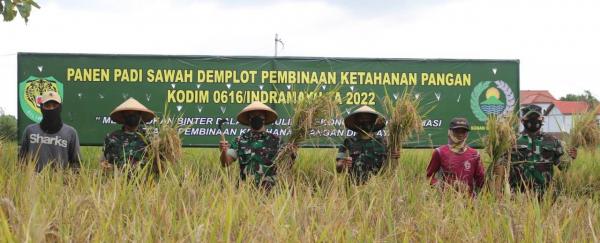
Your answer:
<point x="557" y="42"/>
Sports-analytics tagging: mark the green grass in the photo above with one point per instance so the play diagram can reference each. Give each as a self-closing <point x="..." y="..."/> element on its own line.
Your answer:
<point x="199" y="201"/>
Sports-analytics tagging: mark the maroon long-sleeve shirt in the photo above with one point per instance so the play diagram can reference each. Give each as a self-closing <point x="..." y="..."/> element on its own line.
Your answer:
<point x="454" y="168"/>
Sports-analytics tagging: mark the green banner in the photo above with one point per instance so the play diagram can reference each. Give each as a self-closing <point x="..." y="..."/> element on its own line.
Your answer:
<point x="201" y="90"/>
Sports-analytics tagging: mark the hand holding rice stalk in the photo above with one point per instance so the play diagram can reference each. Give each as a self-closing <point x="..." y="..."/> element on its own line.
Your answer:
<point x="308" y="115"/>
<point x="164" y="143"/>
<point x="585" y="132"/>
<point x="499" y="142"/>
<point x="404" y="120"/>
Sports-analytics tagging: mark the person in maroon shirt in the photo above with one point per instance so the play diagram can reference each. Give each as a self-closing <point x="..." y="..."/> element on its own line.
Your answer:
<point x="455" y="164"/>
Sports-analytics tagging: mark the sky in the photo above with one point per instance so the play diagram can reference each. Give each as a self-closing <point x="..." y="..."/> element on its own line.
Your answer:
<point x="557" y="42"/>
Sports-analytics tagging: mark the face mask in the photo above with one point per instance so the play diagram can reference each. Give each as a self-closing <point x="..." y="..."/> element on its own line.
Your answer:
<point x="51" y="121"/>
<point x="132" y="120"/>
<point x="366" y="127"/>
<point x="256" y="122"/>
<point x="532" y="125"/>
<point x="456" y="145"/>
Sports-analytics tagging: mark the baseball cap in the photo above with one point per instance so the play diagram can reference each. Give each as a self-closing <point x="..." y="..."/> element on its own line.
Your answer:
<point x="50" y="96"/>
<point x="459" y="122"/>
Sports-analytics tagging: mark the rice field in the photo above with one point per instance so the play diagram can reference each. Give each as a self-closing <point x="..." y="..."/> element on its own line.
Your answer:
<point x="198" y="201"/>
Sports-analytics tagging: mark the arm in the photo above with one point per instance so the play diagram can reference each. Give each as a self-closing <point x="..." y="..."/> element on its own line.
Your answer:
<point x="24" y="150"/>
<point x="564" y="159"/>
<point x="281" y="146"/>
<point x="434" y="166"/>
<point x="342" y="161"/>
<point x="228" y="153"/>
<point x="106" y="148"/>
<point x="294" y="154"/>
<point x="74" y="153"/>
<point x="107" y="158"/>
<point x="394" y="153"/>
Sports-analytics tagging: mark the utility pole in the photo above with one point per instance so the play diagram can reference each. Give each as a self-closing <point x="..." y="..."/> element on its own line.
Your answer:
<point x="278" y="40"/>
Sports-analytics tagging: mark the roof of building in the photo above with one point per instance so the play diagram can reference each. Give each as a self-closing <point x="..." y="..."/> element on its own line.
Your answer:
<point x="569" y="107"/>
<point x="536" y="97"/>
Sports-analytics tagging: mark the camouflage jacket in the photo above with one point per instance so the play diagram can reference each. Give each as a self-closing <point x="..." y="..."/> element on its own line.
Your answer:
<point x="533" y="161"/>
<point x="368" y="156"/>
<point x="256" y="152"/>
<point x="121" y="147"/>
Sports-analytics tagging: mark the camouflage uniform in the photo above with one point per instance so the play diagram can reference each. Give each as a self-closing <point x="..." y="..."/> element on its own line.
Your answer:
<point x="121" y="147"/>
<point x="256" y="152"/>
<point x="368" y="156"/>
<point x="533" y="161"/>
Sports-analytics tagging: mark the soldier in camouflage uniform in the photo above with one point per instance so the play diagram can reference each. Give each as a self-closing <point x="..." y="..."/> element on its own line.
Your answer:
<point x="536" y="153"/>
<point x="127" y="145"/>
<point x="256" y="149"/>
<point x="365" y="153"/>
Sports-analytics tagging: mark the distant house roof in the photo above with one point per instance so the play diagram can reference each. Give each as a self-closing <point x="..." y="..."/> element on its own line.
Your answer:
<point x="569" y="107"/>
<point x="536" y="97"/>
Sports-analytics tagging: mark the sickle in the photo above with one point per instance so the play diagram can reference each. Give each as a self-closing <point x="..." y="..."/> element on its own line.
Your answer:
<point x="220" y="126"/>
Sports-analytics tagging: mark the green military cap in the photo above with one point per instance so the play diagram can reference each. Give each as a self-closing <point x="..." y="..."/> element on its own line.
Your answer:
<point x="529" y="110"/>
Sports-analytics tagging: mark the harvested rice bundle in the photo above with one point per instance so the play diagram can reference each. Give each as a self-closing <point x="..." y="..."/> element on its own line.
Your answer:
<point x="164" y="143"/>
<point x="308" y="116"/>
<point x="499" y="142"/>
<point x="404" y="120"/>
<point x="585" y="132"/>
<point x="501" y="136"/>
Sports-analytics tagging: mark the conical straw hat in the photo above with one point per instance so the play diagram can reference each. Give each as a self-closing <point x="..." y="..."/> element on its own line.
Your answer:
<point x="350" y="120"/>
<point x="131" y="104"/>
<point x="244" y="118"/>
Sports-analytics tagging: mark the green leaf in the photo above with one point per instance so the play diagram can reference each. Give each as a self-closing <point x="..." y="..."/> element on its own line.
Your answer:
<point x="9" y="10"/>
<point x="24" y="10"/>
<point x="34" y="4"/>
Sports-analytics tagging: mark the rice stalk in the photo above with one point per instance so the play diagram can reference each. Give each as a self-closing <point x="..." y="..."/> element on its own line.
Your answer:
<point x="499" y="141"/>
<point x="164" y="143"/>
<point x="10" y="213"/>
<point x="404" y="120"/>
<point x="585" y="132"/>
<point x="310" y="113"/>
<point x="202" y="204"/>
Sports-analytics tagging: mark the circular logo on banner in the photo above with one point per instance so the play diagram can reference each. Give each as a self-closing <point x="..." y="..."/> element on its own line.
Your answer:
<point x="492" y="98"/>
<point x="30" y="94"/>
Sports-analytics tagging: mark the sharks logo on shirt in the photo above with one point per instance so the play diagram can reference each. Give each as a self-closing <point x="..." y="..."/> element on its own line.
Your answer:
<point x="39" y="139"/>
